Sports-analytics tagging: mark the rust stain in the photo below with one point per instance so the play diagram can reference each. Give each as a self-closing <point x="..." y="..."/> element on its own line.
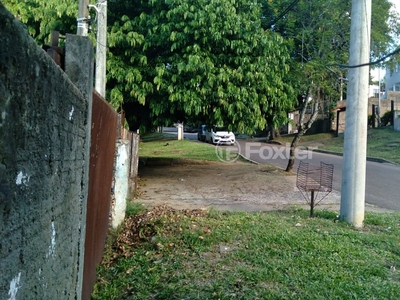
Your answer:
<point x="102" y="149"/>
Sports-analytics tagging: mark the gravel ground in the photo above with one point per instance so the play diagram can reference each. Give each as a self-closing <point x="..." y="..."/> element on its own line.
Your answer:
<point x="235" y="186"/>
<point x="238" y="186"/>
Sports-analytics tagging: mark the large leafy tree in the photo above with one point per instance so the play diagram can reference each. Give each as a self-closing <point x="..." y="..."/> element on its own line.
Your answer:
<point x="42" y="17"/>
<point x="320" y="31"/>
<point x="206" y="60"/>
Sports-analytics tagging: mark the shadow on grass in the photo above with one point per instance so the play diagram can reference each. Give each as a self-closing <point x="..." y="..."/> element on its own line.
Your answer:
<point x="158" y="137"/>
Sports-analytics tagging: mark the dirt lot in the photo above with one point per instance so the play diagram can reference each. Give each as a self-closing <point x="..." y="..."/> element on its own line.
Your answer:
<point x="235" y="186"/>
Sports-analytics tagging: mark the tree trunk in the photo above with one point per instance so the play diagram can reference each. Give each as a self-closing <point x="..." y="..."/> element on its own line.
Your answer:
<point x="277" y="133"/>
<point x="302" y="128"/>
<point x="271" y="134"/>
<point x="271" y="130"/>
<point x="293" y="146"/>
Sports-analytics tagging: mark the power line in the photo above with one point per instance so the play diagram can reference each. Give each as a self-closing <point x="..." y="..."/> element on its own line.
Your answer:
<point x="283" y="13"/>
<point x="369" y="63"/>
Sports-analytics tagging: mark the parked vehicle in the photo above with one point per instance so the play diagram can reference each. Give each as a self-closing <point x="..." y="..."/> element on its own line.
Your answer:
<point x="219" y="135"/>
<point x="201" y="133"/>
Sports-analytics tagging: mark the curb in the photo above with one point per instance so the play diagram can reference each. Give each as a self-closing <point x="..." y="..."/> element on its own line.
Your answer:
<point x="248" y="159"/>
<point x="162" y="162"/>
<point x="372" y="159"/>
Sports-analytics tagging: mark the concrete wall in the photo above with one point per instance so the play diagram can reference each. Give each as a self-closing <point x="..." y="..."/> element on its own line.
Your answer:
<point x="134" y="167"/>
<point x="126" y="164"/>
<point x="384" y="107"/>
<point x="125" y="173"/>
<point x="395" y="96"/>
<point x="121" y="182"/>
<point x="43" y="171"/>
<point x="385" y="103"/>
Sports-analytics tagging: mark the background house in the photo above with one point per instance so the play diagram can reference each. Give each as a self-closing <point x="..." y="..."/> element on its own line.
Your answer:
<point x="392" y="78"/>
<point x="374" y="91"/>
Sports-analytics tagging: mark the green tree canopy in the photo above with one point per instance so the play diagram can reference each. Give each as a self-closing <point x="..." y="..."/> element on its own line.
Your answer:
<point x="217" y="61"/>
<point x="208" y="61"/>
<point x="42" y="17"/>
<point x="320" y="31"/>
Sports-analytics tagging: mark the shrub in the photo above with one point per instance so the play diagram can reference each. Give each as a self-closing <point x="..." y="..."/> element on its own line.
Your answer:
<point x="387" y="118"/>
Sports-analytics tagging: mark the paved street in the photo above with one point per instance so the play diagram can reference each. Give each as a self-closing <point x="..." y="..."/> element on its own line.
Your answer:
<point x="382" y="180"/>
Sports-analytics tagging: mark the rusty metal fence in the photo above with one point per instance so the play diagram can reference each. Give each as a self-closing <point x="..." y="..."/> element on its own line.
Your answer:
<point x="102" y="149"/>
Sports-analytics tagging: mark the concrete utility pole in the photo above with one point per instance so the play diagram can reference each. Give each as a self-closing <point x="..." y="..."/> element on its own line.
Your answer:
<point x="352" y="203"/>
<point x="379" y="97"/>
<point x="101" y="47"/>
<point x="83" y="18"/>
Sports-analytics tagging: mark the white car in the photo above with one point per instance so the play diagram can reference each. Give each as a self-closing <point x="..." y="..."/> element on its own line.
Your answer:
<point x="219" y="135"/>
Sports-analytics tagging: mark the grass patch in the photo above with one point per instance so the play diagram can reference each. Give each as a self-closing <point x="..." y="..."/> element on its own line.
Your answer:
<point x="381" y="143"/>
<point x="158" y="137"/>
<point x="133" y="208"/>
<point x="288" y="138"/>
<point x="163" y="146"/>
<point x="334" y="144"/>
<point x="384" y="143"/>
<point x="274" y="255"/>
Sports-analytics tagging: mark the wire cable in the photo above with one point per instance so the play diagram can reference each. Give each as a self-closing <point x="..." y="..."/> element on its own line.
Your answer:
<point x="369" y="63"/>
<point x="283" y="13"/>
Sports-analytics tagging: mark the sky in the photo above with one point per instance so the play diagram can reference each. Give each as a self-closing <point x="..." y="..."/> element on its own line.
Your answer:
<point x="375" y="73"/>
<point x="396" y="4"/>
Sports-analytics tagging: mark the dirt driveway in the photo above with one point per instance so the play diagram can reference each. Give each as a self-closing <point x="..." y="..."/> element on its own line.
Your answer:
<point x="235" y="186"/>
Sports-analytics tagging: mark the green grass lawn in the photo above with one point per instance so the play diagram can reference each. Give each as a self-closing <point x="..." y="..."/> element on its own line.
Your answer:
<point x="167" y="146"/>
<point x="287" y="139"/>
<point x="273" y="255"/>
<point x="381" y="143"/>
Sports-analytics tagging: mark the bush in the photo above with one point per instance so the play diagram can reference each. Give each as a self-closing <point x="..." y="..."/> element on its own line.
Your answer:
<point x="370" y="120"/>
<point x="387" y="118"/>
